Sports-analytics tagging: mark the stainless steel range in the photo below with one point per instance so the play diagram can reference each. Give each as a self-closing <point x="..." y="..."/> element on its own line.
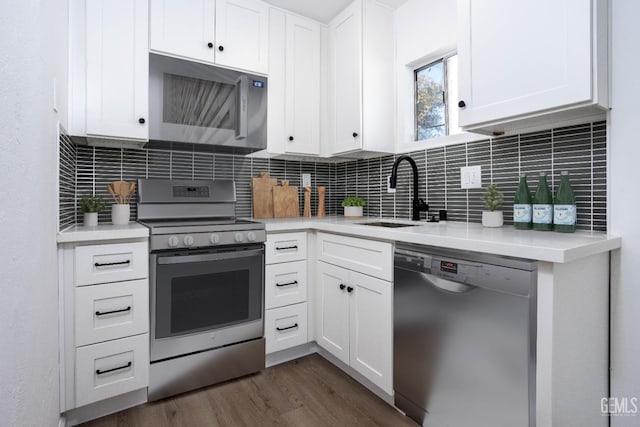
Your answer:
<point x="206" y="285"/>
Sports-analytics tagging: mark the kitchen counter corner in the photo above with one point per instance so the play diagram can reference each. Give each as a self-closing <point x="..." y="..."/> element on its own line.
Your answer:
<point x="80" y="233"/>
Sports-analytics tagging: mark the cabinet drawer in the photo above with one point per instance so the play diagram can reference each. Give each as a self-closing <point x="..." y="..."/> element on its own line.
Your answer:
<point x="111" y="263"/>
<point x="110" y="311"/>
<point x="286" y="247"/>
<point x="365" y="256"/>
<point x="285" y="327"/>
<point x="111" y="368"/>
<point x="285" y="284"/>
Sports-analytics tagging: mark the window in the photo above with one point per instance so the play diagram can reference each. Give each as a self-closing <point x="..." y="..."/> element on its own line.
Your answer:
<point x="435" y="88"/>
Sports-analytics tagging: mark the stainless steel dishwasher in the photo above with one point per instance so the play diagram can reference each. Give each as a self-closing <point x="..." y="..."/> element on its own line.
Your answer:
<point x="464" y="338"/>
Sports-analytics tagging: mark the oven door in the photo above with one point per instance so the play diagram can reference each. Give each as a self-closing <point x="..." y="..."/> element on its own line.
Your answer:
<point x="203" y="300"/>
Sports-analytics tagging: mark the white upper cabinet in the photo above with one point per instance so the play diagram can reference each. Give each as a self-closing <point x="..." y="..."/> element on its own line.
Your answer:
<point x="242" y="34"/>
<point x="524" y="63"/>
<point x="302" y="108"/>
<point x="361" y="78"/>
<point x="113" y="58"/>
<point x="231" y="33"/>
<point x="294" y="84"/>
<point x="183" y="27"/>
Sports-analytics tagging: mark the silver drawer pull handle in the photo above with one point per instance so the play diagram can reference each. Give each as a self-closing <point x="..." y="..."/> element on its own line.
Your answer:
<point x="103" y="313"/>
<point x="288" y="327"/>
<point x="106" y="264"/>
<point x="295" y="282"/>
<point x="284" y="248"/>
<point x="99" y="372"/>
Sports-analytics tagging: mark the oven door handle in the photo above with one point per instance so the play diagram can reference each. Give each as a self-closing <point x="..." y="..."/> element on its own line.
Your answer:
<point x="208" y="257"/>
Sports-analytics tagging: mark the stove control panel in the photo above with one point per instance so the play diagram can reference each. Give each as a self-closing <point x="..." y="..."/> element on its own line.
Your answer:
<point x="207" y="239"/>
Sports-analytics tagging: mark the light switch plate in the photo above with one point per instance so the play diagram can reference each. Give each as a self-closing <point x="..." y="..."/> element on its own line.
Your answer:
<point x="306" y="180"/>
<point x="471" y="177"/>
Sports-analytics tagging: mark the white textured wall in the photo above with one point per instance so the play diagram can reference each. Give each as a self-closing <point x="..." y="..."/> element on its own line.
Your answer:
<point x="425" y="30"/>
<point x="32" y="52"/>
<point x="624" y="155"/>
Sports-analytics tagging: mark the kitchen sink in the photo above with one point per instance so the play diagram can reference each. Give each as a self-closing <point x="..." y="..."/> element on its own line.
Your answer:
<point x="387" y="224"/>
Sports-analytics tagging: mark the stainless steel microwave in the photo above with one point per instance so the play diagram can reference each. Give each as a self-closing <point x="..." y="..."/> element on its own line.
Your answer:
<point x="196" y="103"/>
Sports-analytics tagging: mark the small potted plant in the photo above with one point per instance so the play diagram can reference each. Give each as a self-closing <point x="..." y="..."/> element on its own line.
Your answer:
<point x="493" y="200"/>
<point x="353" y="207"/>
<point x="90" y="207"/>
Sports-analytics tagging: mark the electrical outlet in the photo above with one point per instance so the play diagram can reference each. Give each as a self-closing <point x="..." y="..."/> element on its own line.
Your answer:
<point x="471" y="177"/>
<point x="306" y="180"/>
<point x="389" y="189"/>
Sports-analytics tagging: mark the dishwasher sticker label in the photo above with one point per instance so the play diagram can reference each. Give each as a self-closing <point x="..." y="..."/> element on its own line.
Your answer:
<point x="543" y="214"/>
<point x="449" y="267"/>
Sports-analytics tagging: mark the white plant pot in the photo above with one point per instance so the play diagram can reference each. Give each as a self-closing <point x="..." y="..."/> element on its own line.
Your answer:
<point x="353" y="211"/>
<point x="90" y="219"/>
<point x="120" y="214"/>
<point x="492" y="218"/>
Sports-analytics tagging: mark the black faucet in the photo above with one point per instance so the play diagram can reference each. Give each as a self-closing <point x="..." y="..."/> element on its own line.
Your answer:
<point x="418" y="204"/>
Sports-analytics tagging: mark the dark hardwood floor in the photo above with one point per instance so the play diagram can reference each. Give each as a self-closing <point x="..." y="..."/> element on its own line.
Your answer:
<point x="307" y="392"/>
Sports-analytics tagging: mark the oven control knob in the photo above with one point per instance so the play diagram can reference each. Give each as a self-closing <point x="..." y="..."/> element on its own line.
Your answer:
<point x="239" y="237"/>
<point x="251" y="236"/>
<point x="214" y="239"/>
<point x="188" y="240"/>
<point x="173" y="241"/>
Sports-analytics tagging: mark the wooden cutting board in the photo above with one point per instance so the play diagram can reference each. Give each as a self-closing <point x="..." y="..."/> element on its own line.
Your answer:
<point x="285" y="201"/>
<point x="262" y="189"/>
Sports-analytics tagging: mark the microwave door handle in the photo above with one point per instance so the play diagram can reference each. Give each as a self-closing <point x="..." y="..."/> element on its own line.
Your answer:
<point x="242" y="89"/>
<point x="208" y="257"/>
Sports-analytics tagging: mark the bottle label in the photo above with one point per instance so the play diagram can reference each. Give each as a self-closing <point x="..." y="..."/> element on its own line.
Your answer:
<point x="564" y="214"/>
<point x="522" y="213"/>
<point x="542" y="214"/>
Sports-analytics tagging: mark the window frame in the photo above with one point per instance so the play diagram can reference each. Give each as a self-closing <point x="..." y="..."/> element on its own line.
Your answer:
<point x="445" y="74"/>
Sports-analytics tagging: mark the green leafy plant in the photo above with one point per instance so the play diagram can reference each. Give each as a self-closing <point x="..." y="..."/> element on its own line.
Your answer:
<point x="493" y="199"/>
<point x="353" y="201"/>
<point x="89" y="204"/>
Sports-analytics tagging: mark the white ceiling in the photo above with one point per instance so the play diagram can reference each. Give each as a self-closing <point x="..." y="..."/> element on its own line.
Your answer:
<point x="322" y="10"/>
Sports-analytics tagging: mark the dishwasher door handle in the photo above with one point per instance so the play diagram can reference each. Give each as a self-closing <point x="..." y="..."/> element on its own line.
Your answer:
<point x="447" y="285"/>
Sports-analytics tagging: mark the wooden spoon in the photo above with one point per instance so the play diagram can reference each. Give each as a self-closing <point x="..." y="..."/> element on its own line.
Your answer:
<point x="112" y="192"/>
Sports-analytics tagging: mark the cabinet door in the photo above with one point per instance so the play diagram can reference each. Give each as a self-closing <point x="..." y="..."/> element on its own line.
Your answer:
<point x="117" y="54"/>
<point x="371" y="340"/>
<point x="183" y="27"/>
<point x="333" y="322"/>
<point x="302" y="110"/>
<point x="346" y="59"/>
<point x="518" y="58"/>
<point x="242" y="34"/>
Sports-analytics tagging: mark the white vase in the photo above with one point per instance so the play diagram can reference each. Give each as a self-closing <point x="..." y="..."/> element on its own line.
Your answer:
<point x="492" y="218"/>
<point x="120" y="214"/>
<point x="353" y="211"/>
<point x="90" y="219"/>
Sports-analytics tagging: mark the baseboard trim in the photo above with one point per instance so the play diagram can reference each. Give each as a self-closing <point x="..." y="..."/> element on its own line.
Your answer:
<point x="105" y="407"/>
<point x="290" y="354"/>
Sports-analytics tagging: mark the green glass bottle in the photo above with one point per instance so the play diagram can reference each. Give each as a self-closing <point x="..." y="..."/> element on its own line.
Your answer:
<point x="522" y="205"/>
<point x="564" y="206"/>
<point x="543" y="206"/>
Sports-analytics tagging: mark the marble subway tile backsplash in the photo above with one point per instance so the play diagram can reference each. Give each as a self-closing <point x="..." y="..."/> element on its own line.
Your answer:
<point x="579" y="149"/>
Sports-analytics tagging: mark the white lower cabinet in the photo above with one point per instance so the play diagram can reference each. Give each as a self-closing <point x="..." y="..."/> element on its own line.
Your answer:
<point x="111" y="368"/>
<point x="285" y="327"/>
<point x="355" y="321"/>
<point x="285" y="315"/>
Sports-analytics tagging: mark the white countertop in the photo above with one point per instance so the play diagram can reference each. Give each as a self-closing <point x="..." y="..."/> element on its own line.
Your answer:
<point x="538" y="245"/>
<point x="80" y="233"/>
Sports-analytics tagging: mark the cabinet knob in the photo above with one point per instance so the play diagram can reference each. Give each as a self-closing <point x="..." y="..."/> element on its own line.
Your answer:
<point x="210" y="45"/>
<point x="141" y="120"/>
<point x="290" y="138"/>
<point x="342" y="286"/>
<point x="220" y="48"/>
<point x="349" y="289"/>
<point x="461" y="104"/>
<point x="355" y="134"/>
